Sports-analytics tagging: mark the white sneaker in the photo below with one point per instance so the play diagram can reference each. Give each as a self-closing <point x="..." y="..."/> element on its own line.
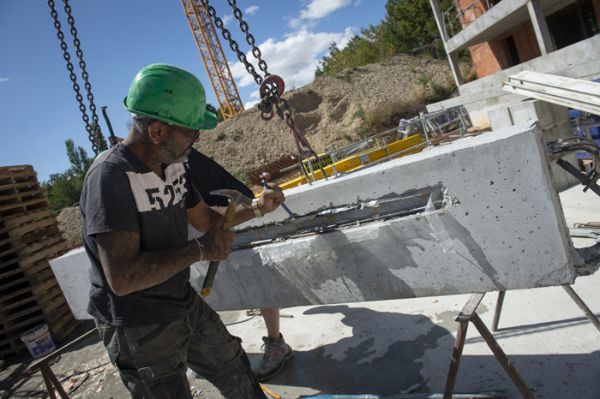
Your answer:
<point x="276" y="354"/>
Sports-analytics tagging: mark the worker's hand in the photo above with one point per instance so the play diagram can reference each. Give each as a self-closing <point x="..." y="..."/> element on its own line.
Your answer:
<point x="217" y="244"/>
<point x="271" y="199"/>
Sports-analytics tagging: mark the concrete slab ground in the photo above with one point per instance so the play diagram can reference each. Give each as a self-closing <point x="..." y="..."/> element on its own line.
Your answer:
<point x="390" y="346"/>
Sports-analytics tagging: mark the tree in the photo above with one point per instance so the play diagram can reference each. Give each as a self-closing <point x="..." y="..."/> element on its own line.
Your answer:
<point x="64" y="189"/>
<point x="362" y="49"/>
<point x="408" y="25"/>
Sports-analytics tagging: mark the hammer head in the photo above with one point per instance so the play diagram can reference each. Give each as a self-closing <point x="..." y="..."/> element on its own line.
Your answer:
<point x="234" y="196"/>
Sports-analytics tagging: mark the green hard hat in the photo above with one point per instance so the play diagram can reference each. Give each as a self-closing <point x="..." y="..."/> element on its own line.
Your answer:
<point x="171" y="95"/>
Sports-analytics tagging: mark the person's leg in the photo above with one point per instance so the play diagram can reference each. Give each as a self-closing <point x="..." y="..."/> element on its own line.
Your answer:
<point x="271" y="318"/>
<point x="218" y="356"/>
<point x="277" y="351"/>
<point x="151" y="359"/>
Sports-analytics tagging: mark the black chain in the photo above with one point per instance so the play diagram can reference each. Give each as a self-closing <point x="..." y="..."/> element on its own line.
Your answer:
<point x="93" y="130"/>
<point x="249" y="38"/>
<point x="232" y="43"/>
<point x="271" y="87"/>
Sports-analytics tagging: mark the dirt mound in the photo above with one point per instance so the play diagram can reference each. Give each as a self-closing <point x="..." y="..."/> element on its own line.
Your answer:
<point x="70" y="226"/>
<point x="332" y="111"/>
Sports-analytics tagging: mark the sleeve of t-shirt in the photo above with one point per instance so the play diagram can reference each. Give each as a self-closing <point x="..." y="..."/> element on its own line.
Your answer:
<point x="193" y="196"/>
<point x="207" y="175"/>
<point x="108" y="202"/>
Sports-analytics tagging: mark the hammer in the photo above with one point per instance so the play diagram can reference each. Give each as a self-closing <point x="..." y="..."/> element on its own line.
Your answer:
<point x="235" y="198"/>
<point x="264" y="180"/>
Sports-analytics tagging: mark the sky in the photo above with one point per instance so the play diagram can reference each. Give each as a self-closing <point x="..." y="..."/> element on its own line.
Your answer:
<point x="38" y="110"/>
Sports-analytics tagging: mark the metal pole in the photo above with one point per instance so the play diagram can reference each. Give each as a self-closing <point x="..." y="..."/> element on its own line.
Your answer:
<point x="582" y="305"/>
<point x="501" y="357"/>
<point x="498" y="310"/>
<point x="459" y="344"/>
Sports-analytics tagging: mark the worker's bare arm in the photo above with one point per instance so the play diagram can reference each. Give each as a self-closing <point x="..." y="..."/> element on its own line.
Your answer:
<point x="202" y="217"/>
<point x="127" y="269"/>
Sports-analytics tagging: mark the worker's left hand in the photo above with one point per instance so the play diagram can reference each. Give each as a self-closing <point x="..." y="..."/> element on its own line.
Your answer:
<point x="271" y="199"/>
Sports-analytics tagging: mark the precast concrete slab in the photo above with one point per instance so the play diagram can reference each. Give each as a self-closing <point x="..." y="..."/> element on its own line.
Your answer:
<point x="553" y="121"/>
<point x="498" y="227"/>
<point x="479" y="214"/>
<point x="72" y="271"/>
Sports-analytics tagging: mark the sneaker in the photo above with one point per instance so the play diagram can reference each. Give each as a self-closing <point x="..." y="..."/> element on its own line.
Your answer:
<point x="276" y="353"/>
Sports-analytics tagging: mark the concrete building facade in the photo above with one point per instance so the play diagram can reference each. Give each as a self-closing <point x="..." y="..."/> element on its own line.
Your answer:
<point x="509" y="36"/>
<point x="500" y="34"/>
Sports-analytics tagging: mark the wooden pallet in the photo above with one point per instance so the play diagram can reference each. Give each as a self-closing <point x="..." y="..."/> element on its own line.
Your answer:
<point x="20" y="192"/>
<point x="29" y="237"/>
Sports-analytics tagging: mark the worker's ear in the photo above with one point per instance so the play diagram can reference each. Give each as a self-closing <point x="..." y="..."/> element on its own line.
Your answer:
<point x="157" y="132"/>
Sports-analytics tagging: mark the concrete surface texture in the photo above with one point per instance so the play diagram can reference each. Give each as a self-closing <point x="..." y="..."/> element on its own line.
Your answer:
<point x="502" y="227"/>
<point x="553" y="122"/>
<point x="389" y="346"/>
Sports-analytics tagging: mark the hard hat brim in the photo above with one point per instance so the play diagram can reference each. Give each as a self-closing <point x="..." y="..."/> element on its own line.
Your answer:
<point x="207" y="123"/>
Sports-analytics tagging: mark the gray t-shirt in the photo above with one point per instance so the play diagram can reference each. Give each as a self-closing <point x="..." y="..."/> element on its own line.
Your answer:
<point x="121" y="193"/>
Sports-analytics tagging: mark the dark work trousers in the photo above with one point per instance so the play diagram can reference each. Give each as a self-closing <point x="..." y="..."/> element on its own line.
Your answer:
<point x="153" y="360"/>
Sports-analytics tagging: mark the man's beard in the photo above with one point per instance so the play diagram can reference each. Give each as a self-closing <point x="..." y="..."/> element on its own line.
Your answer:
<point x="169" y="153"/>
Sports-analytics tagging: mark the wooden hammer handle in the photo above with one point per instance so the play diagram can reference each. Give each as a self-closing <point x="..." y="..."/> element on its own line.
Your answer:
<point x="213" y="266"/>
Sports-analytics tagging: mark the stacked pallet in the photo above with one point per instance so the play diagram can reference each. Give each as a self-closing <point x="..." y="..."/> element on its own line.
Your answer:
<point x="29" y="237"/>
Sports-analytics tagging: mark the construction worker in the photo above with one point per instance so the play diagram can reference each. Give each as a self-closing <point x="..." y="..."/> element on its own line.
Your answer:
<point x="207" y="175"/>
<point x="136" y="202"/>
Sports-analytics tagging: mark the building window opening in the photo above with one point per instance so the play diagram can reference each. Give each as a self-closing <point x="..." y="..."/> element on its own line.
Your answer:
<point x="512" y="52"/>
<point x="573" y="23"/>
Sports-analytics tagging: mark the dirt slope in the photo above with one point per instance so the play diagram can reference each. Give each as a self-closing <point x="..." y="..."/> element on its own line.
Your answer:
<point x="332" y="111"/>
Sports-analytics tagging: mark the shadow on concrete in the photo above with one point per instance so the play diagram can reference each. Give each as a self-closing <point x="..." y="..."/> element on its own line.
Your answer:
<point x="388" y="353"/>
<point x="381" y="355"/>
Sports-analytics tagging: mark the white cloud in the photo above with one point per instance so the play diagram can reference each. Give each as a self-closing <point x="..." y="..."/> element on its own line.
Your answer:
<point x="227" y="19"/>
<point x="3" y="79"/>
<point x="250" y="104"/>
<point x="251" y="10"/>
<point x="255" y="95"/>
<point x="295" y="58"/>
<point x="299" y="24"/>
<point x="318" y="9"/>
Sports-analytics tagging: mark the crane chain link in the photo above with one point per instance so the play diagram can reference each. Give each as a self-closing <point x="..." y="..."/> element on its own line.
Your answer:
<point x="93" y="129"/>
<point x="232" y="43"/>
<point x="271" y="86"/>
<point x="249" y="38"/>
